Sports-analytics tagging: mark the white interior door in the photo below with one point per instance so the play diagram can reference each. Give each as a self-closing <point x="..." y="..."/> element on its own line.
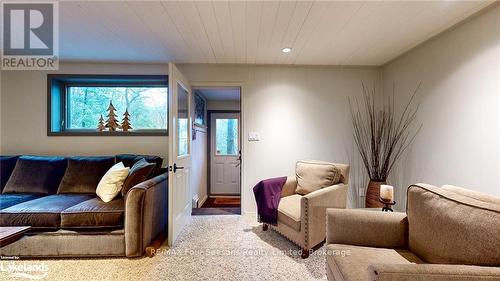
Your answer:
<point x="225" y="157"/>
<point x="180" y="120"/>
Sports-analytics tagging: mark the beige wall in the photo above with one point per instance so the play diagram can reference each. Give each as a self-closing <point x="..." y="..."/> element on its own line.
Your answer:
<point x="23" y="99"/>
<point x="223" y="105"/>
<point x="460" y="106"/>
<point x="199" y="166"/>
<point x="300" y="113"/>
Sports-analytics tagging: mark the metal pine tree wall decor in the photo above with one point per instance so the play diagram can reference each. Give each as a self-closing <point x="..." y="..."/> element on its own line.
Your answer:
<point x="126" y="126"/>
<point x="100" y="125"/>
<point x="111" y="122"/>
<point x="382" y="135"/>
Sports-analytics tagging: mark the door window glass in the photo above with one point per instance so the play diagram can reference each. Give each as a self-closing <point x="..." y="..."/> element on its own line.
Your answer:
<point x="226" y="134"/>
<point x="182" y="121"/>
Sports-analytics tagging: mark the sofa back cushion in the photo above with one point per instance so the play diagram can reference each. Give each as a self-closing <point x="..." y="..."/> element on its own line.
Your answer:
<point x="450" y="228"/>
<point x="7" y="164"/>
<point x="473" y="194"/>
<point x="130" y="159"/>
<point x="314" y="175"/>
<point x="36" y="174"/>
<point x="84" y="173"/>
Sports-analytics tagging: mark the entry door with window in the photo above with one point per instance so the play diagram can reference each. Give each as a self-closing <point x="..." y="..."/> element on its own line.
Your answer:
<point x="179" y="207"/>
<point x="225" y="157"/>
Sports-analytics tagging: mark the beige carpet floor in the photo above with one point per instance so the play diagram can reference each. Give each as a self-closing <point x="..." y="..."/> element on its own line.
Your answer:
<point x="210" y="248"/>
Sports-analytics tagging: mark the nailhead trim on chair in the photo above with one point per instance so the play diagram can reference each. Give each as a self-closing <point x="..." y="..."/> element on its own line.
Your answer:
<point x="275" y="228"/>
<point x="306" y="224"/>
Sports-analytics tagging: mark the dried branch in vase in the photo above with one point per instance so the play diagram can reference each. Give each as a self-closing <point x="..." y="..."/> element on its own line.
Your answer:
<point x="381" y="134"/>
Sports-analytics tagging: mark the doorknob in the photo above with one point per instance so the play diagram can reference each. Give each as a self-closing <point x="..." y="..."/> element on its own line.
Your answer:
<point x="239" y="160"/>
<point x="177" y="167"/>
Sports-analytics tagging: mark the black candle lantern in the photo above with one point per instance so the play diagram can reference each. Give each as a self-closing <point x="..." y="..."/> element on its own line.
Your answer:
<point x="388" y="205"/>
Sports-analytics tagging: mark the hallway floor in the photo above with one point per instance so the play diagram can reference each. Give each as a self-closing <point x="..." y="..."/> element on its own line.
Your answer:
<point x="219" y="206"/>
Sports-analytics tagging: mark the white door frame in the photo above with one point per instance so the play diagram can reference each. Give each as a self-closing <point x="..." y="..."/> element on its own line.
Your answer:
<point x="242" y="86"/>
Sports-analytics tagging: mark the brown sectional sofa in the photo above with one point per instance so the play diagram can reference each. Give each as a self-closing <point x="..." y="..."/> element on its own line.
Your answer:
<point x="447" y="233"/>
<point x="56" y="197"/>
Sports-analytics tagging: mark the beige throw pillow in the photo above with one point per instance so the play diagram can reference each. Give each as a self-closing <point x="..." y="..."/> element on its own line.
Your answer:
<point x="314" y="175"/>
<point x="112" y="182"/>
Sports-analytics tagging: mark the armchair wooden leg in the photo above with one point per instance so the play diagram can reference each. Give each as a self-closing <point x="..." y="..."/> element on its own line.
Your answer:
<point x="265" y="227"/>
<point x="305" y="253"/>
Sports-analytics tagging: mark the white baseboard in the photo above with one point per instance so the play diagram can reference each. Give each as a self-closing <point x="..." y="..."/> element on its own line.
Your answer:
<point x="202" y="201"/>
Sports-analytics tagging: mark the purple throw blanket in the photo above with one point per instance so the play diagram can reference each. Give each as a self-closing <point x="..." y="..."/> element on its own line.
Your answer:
<point x="268" y="195"/>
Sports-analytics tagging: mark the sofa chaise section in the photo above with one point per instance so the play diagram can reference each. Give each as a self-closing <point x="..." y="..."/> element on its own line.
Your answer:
<point x="11" y="199"/>
<point x="70" y="221"/>
<point x="42" y="213"/>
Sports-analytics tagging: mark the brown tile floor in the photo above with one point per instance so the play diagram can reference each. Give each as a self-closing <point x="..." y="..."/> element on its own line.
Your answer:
<point x="219" y="206"/>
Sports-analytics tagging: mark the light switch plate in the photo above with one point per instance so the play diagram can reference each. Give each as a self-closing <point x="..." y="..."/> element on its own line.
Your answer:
<point x="253" y="136"/>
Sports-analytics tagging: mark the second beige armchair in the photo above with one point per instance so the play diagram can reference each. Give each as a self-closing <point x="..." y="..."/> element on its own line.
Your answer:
<point x="304" y="199"/>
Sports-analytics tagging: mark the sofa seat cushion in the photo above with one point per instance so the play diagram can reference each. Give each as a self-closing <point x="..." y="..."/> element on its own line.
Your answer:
<point x="84" y="173"/>
<point x="289" y="211"/>
<point x="7" y="164"/>
<point x="11" y="199"/>
<point x="94" y="213"/>
<point x="350" y="263"/>
<point x="43" y="212"/>
<point x="36" y="174"/>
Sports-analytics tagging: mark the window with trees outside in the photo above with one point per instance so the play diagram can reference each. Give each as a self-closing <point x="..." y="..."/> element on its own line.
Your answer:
<point x="108" y="105"/>
<point x="226" y="136"/>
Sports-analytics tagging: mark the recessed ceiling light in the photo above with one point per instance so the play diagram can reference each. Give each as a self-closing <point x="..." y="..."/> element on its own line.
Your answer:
<point x="286" y="50"/>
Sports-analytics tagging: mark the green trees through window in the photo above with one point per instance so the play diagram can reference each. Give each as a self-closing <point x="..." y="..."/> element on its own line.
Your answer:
<point x="226" y="133"/>
<point x="147" y="106"/>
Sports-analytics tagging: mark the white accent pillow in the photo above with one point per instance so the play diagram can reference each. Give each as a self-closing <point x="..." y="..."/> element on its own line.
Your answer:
<point x="112" y="182"/>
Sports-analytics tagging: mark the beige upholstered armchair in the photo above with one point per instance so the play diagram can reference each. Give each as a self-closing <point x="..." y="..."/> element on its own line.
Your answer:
<point x="304" y="199"/>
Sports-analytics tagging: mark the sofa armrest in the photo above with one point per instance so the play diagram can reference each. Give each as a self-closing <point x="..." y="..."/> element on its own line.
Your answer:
<point x="289" y="187"/>
<point x="146" y="213"/>
<point x="367" y="228"/>
<point x="334" y="196"/>
<point x="431" y="272"/>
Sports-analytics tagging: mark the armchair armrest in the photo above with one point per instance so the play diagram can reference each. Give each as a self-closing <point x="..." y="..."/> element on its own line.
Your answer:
<point x="366" y="228"/>
<point x="313" y="209"/>
<point x="146" y="207"/>
<point x="334" y="196"/>
<point x="431" y="272"/>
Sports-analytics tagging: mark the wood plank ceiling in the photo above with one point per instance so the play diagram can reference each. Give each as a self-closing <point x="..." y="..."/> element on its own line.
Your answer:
<point x="253" y="32"/>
